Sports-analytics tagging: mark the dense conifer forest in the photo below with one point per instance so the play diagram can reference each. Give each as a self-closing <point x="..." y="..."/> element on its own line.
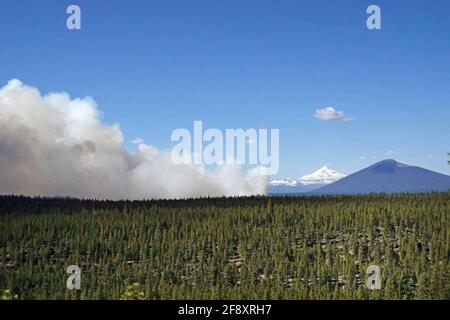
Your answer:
<point x="316" y="247"/>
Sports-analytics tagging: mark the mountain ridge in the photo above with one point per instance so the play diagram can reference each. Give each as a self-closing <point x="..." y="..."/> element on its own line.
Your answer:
<point x="318" y="178"/>
<point x="388" y="176"/>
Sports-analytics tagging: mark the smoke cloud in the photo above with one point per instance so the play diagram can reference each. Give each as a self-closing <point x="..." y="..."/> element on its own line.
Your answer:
<point x="52" y="145"/>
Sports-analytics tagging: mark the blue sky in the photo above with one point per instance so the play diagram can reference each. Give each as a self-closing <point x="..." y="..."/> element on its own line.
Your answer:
<point x="154" y="66"/>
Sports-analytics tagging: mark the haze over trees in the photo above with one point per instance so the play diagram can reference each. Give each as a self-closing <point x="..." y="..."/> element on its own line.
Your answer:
<point x="316" y="247"/>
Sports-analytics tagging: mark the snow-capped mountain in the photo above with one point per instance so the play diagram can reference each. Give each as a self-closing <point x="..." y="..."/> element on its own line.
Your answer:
<point x="389" y="176"/>
<point x="284" y="182"/>
<point x="324" y="175"/>
<point x="312" y="181"/>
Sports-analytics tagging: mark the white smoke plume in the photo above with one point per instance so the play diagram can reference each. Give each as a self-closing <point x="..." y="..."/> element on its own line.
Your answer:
<point x="52" y="145"/>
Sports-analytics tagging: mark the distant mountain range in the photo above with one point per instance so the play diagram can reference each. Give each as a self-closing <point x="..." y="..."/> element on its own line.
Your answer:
<point x="310" y="182"/>
<point x="388" y="176"/>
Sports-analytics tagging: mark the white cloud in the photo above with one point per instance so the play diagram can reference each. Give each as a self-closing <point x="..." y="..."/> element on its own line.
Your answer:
<point x="329" y="113"/>
<point x="52" y="145"/>
<point x="367" y="157"/>
<point x="427" y="156"/>
<point x="391" y="152"/>
<point x="137" y="141"/>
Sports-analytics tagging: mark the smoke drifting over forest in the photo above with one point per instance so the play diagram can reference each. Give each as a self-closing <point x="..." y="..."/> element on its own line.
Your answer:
<point x="52" y="145"/>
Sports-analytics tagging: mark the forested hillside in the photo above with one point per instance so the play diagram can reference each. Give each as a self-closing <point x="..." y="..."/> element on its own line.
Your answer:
<point x="316" y="247"/>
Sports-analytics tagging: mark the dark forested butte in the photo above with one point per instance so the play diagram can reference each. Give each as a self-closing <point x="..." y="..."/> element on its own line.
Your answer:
<point x="386" y="176"/>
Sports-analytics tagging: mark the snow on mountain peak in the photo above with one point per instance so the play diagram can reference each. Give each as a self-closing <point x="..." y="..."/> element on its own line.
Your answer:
<point x="322" y="176"/>
<point x="284" y="182"/>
